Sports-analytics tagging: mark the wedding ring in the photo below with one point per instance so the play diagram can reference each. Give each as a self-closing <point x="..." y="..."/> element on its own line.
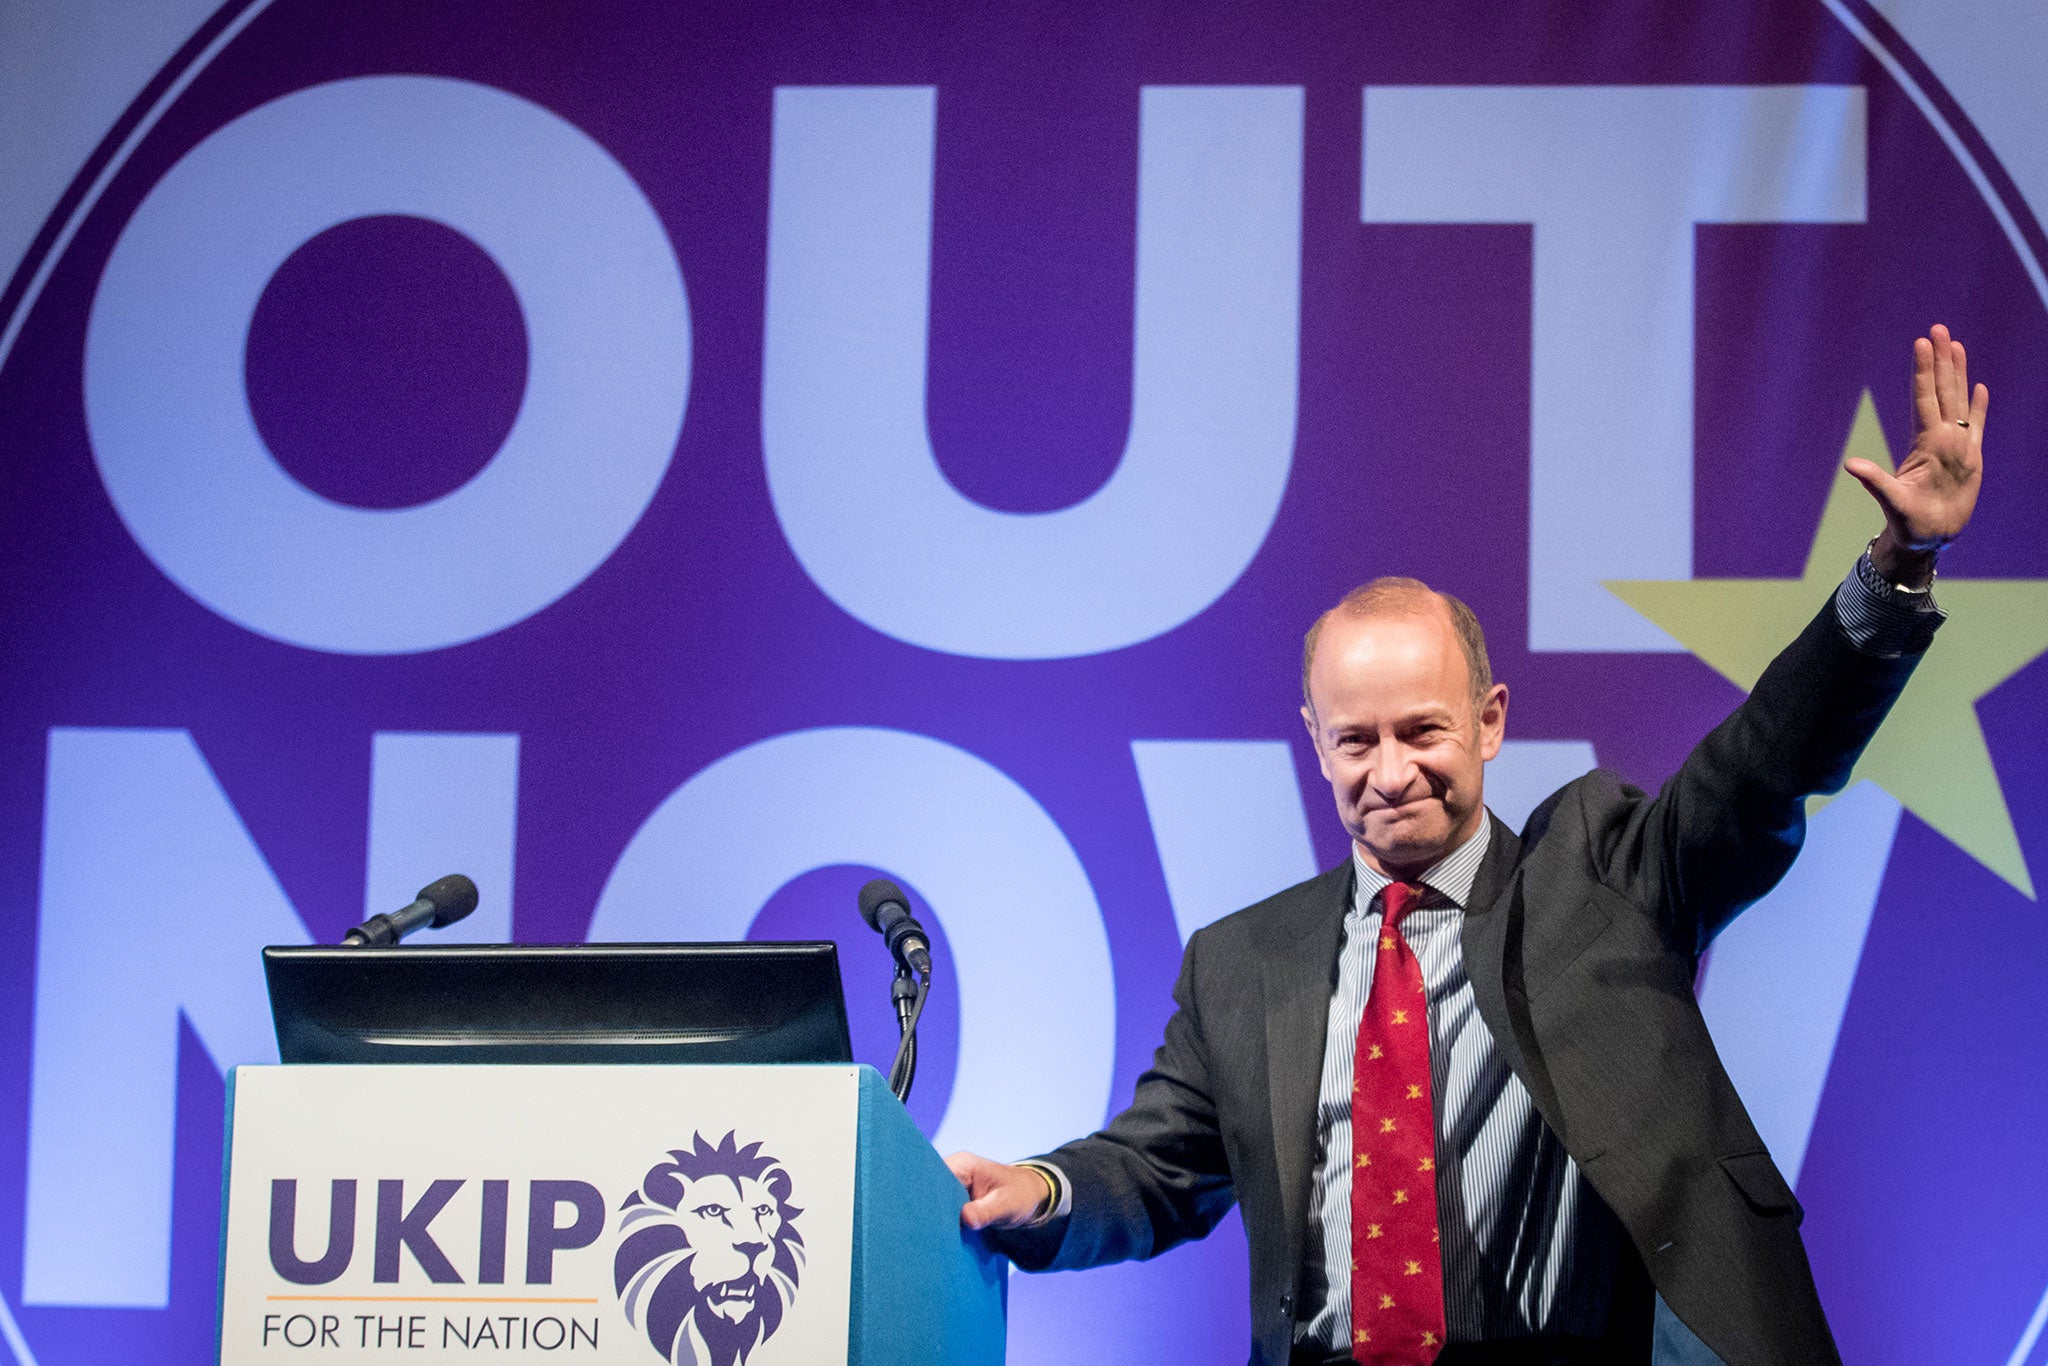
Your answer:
<point x="1962" y="422"/>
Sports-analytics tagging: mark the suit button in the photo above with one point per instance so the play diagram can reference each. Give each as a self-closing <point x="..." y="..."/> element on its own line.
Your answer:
<point x="1287" y="1307"/>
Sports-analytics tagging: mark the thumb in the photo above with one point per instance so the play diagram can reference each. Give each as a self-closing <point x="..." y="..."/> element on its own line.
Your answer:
<point x="1882" y="486"/>
<point x="963" y="1166"/>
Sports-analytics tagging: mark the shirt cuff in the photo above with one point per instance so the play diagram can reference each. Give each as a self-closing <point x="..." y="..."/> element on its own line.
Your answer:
<point x="1062" y="1193"/>
<point x="1882" y="619"/>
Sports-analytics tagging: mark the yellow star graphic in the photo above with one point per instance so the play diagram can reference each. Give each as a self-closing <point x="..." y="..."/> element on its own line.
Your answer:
<point x="1365" y="1159"/>
<point x="1365" y="1335"/>
<point x="1400" y="1017"/>
<point x="1372" y="1231"/>
<point x="1930" y="753"/>
<point x="1386" y="1301"/>
<point x="1414" y="1269"/>
<point x="1386" y="1126"/>
<point x="1428" y="1338"/>
<point x="1414" y="1092"/>
<point x="1400" y="1197"/>
<point x="1428" y="1165"/>
<point x="1386" y="941"/>
<point x="1376" y="1052"/>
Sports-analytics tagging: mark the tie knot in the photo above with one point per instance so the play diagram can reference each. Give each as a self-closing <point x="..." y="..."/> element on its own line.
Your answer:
<point x="1399" y="898"/>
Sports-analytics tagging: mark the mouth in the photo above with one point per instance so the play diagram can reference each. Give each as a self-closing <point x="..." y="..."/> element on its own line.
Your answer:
<point x="1400" y="810"/>
<point x="730" y="1292"/>
<point x="732" y="1301"/>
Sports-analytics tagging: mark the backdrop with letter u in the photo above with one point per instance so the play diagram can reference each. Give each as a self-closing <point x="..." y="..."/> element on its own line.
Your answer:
<point x="672" y="462"/>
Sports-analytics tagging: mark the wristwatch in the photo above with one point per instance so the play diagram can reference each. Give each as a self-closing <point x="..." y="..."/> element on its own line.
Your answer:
<point x="1926" y="590"/>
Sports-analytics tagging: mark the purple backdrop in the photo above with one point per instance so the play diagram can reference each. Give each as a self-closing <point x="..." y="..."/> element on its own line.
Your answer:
<point x="387" y="359"/>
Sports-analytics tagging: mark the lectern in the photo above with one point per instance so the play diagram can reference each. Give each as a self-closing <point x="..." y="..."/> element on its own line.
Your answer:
<point x="742" y="1214"/>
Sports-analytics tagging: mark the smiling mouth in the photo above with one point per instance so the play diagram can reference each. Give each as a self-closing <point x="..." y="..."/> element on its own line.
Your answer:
<point x="1414" y="808"/>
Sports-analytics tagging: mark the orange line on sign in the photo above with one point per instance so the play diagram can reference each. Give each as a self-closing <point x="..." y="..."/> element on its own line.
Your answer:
<point x="431" y="1299"/>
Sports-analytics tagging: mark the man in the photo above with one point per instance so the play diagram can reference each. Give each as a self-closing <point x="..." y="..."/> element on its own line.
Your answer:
<point x="1459" y="1085"/>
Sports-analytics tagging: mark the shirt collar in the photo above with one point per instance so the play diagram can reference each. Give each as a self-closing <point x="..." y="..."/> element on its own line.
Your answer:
<point x="1449" y="879"/>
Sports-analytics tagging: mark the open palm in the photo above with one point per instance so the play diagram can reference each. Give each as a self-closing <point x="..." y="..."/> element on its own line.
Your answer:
<point x="1928" y="501"/>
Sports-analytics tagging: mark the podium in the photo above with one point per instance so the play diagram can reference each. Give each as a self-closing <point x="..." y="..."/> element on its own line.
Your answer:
<point x="722" y="1215"/>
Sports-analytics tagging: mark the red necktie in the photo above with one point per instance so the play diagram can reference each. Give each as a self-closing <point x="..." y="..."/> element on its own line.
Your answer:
<point x="1397" y="1278"/>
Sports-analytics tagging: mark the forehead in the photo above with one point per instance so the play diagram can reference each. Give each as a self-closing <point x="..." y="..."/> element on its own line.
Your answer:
<point x="1389" y="662"/>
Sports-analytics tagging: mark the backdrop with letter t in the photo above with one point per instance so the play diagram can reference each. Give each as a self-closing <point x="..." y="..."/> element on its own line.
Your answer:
<point x="675" y="461"/>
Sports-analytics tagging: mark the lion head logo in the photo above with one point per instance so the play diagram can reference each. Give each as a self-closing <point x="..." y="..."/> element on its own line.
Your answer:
<point x="709" y="1255"/>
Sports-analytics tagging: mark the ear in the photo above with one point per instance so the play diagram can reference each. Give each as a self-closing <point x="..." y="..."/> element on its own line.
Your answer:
<point x="1493" y="721"/>
<point x="1315" y="739"/>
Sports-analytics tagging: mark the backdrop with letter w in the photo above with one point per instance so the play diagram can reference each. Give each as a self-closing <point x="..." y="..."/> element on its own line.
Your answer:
<point x="675" y="461"/>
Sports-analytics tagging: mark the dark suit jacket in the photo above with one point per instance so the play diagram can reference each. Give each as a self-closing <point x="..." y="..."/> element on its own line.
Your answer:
<point x="1581" y="938"/>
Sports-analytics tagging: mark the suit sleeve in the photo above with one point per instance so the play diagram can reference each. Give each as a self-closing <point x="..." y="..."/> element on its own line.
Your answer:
<point x="1157" y="1176"/>
<point x="1725" y="828"/>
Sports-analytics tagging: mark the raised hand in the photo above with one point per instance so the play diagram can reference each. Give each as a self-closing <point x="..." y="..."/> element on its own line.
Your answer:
<point x="1928" y="501"/>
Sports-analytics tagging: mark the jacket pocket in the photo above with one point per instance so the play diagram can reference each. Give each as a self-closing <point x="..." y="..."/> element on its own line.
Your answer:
<point x="1761" y="1183"/>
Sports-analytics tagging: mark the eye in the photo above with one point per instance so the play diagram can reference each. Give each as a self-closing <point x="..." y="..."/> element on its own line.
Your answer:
<point x="710" y="1211"/>
<point x="763" y="1211"/>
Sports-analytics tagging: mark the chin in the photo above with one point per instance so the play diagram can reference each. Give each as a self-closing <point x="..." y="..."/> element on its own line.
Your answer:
<point x="1413" y="849"/>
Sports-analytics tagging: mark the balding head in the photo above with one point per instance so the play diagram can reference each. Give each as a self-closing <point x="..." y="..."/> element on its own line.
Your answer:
<point x="1395" y="596"/>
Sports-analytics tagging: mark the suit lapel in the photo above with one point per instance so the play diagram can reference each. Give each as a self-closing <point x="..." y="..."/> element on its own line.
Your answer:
<point x="1492" y="932"/>
<point x="1298" y="965"/>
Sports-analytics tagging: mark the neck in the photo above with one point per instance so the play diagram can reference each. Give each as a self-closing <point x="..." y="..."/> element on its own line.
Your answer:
<point x="1399" y="872"/>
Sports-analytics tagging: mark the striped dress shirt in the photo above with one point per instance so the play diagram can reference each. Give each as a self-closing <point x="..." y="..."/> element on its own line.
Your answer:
<point x="1525" y="1251"/>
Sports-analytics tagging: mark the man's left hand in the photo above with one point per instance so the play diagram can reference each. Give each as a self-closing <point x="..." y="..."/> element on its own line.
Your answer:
<point x="1928" y="501"/>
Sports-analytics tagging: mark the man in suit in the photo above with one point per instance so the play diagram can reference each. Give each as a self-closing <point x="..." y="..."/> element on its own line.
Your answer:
<point x="1505" y="1022"/>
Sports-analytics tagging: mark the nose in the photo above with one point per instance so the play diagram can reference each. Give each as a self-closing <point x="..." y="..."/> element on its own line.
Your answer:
<point x="751" y="1248"/>
<point x="1393" y="771"/>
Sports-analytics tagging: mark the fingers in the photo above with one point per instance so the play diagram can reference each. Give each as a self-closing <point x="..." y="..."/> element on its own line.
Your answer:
<point x="1945" y="391"/>
<point x="990" y="1211"/>
<point x="998" y="1196"/>
<point x="1941" y="385"/>
<point x="1944" y="369"/>
<point x="1926" y="399"/>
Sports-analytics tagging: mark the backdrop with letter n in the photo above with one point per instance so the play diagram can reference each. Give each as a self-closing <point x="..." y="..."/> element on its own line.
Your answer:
<point x="673" y="462"/>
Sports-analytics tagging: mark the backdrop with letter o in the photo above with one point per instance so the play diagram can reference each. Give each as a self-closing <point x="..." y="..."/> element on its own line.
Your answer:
<point x="673" y="462"/>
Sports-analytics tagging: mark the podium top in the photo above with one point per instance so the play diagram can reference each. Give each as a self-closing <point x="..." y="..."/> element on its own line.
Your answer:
<point x="585" y="1003"/>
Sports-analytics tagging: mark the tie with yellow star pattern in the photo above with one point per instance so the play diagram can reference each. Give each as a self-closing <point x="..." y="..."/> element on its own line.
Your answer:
<point x="1397" y="1278"/>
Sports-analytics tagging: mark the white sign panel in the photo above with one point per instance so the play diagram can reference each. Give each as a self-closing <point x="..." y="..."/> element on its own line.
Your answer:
<point x="626" y="1215"/>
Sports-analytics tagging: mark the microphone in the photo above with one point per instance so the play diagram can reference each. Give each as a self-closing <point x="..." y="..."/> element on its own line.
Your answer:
<point x="884" y="907"/>
<point x="442" y="902"/>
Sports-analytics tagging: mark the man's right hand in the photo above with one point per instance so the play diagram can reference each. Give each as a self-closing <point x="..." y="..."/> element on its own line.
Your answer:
<point x="998" y="1196"/>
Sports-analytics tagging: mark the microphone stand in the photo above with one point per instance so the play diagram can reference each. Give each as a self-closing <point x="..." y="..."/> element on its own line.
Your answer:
<point x="908" y="993"/>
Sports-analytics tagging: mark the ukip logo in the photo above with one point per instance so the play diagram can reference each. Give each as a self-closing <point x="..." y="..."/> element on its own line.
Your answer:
<point x="709" y="1253"/>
